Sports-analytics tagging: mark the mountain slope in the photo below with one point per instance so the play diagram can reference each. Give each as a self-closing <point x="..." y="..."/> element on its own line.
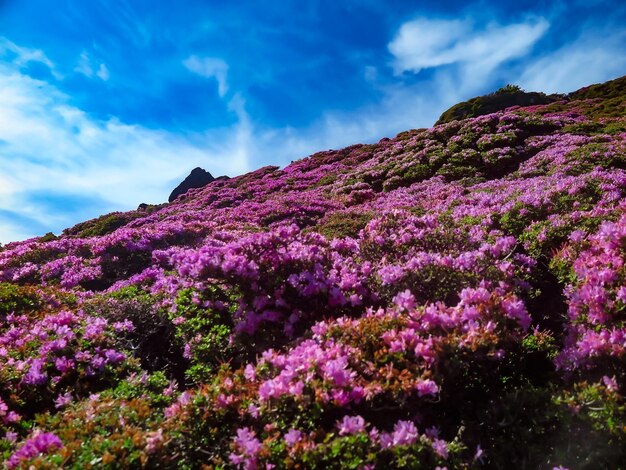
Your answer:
<point x="610" y="92"/>
<point x="453" y="296"/>
<point x="500" y="100"/>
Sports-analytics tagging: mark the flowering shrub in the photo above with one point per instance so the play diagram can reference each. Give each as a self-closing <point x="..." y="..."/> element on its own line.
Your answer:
<point x="39" y="444"/>
<point x="453" y="297"/>
<point x="51" y="360"/>
<point x="597" y="302"/>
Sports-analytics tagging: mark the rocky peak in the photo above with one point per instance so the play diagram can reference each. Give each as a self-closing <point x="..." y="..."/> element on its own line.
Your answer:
<point x="196" y="179"/>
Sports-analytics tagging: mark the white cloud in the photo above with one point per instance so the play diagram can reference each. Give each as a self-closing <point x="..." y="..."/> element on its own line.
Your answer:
<point x="20" y="57"/>
<point x="210" y="67"/>
<point x="48" y="146"/>
<point x="589" y="59"/>
<point x="426" y="43"/>
<point x="84" y="67"/>
<point x="103" y="72"/>
<point x="51" y="147"/>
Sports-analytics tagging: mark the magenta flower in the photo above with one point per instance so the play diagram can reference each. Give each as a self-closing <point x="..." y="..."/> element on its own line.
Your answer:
<point x="39" y="443"/>
<point x="404" y="433"/>
<point x="351" y="425"/>
<point x="292" y="437"/>
<point x="35" y="374"/>
<point x="441" y="448"/>
<point x="426" y="387"/>
<point x="247" y="443"/>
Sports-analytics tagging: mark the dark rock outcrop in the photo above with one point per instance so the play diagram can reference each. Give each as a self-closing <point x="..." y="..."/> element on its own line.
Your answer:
<point x="196" y="179"/>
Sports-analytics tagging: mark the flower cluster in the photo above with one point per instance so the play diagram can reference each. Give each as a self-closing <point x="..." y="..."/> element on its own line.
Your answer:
<point x="446" y="298"/>
<point x="597" y="298"/>
<point x="43" y="359"/>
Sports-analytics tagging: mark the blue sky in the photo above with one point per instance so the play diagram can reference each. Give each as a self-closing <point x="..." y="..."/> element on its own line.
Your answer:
<point x="107" y="104"/>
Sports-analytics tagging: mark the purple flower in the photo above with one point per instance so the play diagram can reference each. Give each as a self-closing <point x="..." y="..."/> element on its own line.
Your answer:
<point x="114" y="357"/>
<point x="404" y="433"/>
<point x="247" y="443"/>
<point x="63" y="400"/>
<point x="404" y="300"/>
<point x="391" y="274"/>
<point x="39" y="443"/>
<point x="351" y="425"/>
<point x="35" y="375"/>
<point x="426" y="387"/>
<point x="516" y="309"/>
<point x="292" y="437"/>
<point x="153" y="440"/>
<point x="63" y="364"/>
<point x="441" y="448"/>
<point x="610" y="383"/>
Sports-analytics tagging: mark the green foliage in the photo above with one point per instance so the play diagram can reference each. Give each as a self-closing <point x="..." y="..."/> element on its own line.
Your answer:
<point x="506" y="97"/>
<point x="18" y="299"/>
<point x="584" y="128"/>
<point x="351" y="452"/>
<point x="508" y="88"/>
<point x="327" y="180"/>
<point x="593" y="423"/>
<point x="105" y="433"/>
<point x="153" y="340"/>
<point x="590" y="156"/>
<point x="149" y="386"/>
<point x="541" y="342"/>
<point x="48" y="237"/>
<point x="343" y="224"/>
<point x="407" y="176"/>
<point x="611" y="89"/>
<point x="616" y="127"/>
<point x="356" y="451"/>
<point x="206" y="331"/>
<point x="102" y="225"/>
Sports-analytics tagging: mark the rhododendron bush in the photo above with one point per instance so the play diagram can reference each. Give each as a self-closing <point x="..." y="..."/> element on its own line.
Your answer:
<point x="454" y="297"/>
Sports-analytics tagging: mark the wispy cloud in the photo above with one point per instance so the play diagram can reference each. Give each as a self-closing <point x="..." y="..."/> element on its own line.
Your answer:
<point x="425" y="43"/>
<point x="476" y="51"/>
<point x="103" y="72"/>
<point x="591" y="58"/>
<point x="85" y="67"/>
<point x="210" y="67"/>
<point x="20" y="57"/>
<point x="49" y="147"/>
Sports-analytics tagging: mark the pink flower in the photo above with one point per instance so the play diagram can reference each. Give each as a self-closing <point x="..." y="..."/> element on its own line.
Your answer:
<point x="516" y="309"/>
<point x="63" y="364"/>
<point x="441" y="448"/>
<point x="351" y="425"/>
<point x="391" y="274"/>
<point x="63" y="400"/>
<point x="246" y="442"/>
<point x="250" y="372"/>
<point x="610" y="383"/>
<point x="426" y="387"/>
<point x="404" y="433"/>
<point x="39" y="443"/>
<point x="35" y="375"/>
<point x="154" y="440"/>
<point x="404" y="300"/>
<point x="292" y="437"/>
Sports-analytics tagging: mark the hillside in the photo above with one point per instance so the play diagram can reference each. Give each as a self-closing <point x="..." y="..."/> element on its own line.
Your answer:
<point x="452" y="297"/>
<point x="500" y="100"/>
<point x="511" y="95"/>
